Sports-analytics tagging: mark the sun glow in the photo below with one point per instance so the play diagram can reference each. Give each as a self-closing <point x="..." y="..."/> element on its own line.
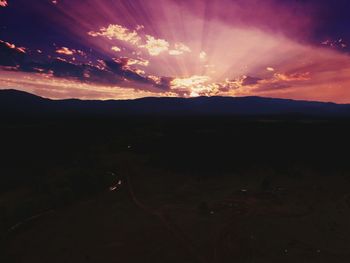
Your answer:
<point x="189" y="82"/>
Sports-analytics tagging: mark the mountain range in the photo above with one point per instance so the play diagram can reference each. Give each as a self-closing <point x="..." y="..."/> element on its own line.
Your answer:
<point x="19" y="103"/>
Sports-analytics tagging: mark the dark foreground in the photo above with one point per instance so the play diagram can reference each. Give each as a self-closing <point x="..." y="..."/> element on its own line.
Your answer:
<point x="203" y="189"/>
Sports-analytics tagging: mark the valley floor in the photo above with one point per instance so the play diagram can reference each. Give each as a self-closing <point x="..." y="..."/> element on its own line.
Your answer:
<point x="155" y="216"/>
<point x="206" y="191"/>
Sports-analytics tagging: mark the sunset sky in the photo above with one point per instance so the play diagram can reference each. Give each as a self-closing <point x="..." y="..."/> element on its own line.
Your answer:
<point x="124" y="49"/>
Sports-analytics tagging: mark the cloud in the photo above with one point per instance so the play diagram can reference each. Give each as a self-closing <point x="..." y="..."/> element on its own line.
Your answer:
<point x="117" y="32"/>
<point x="10" y="55"/>
<point x="65" y="51"/>
<point x="163" y="83"/>
<point x="194" y="86"/>
<point x="127" y="62"/>
<point x="179" y="49"/>
<point x="248" y="80"/>
<point x="69" y="52"/>
<point x="119" y="71"/>
<point x="336" y="44"/>
<point x="203" y="56"/>
<point x="193" y="81"/>
<point x="139" y="27"/>
<point x="13" y="46"/>
<point x="197" y="85"/>
<point x="116" y="49"/>
<point x="243" y="85"/>
<point x="175" y="52"/>
<point x="291" y="77"/>
<point x="138" y="61"/>
<point x="324" y="72"/>
<point x="3" y="3"/>
<point x="155" y="46"/>
<point x="247" y="85"/>
<point x="49" y="86"/>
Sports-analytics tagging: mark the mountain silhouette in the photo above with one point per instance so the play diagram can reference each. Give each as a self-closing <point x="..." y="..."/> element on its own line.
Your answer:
<point x="14" y="102"/>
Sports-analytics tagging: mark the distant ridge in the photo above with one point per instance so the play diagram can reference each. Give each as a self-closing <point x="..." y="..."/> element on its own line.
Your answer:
<point x="14" y="102"/>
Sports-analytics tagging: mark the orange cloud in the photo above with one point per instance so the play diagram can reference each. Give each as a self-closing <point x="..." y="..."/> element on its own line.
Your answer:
<point x="155" y="46"/>
<point x="116" y="49"/>
<point x="139" y="61"/>
<point x="118" y="32"/>
<point x="13" y="46"/>
<point x="65" y="51"/>
<point x="189" y="82"/>
<point x="3" y="3"/>
<point x="291" y="77"/>
<point x="194" y="86"/>
<point x="69" y="52"/>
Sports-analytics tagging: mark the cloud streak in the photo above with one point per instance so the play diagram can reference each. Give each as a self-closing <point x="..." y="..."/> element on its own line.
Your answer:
<point x="117" y="72"/>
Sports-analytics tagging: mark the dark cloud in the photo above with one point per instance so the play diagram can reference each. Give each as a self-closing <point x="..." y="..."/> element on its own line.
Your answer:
<point x="119" y="68"/>
<point x="250" y="81"/>
<point x="113" y="72"/>
<point x="272" y="86"/>
<point x="165" y="83"/>
<point x="10" y="56"/>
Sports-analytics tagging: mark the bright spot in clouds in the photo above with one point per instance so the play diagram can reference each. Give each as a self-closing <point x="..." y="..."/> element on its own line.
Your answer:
<point x="189" y="82"/>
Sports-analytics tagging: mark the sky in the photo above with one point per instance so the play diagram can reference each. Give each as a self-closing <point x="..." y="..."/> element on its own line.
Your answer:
<point x="126" y="49"/>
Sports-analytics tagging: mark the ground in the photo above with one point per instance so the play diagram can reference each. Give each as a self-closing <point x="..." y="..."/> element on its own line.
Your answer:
<point x="162" y="211"/>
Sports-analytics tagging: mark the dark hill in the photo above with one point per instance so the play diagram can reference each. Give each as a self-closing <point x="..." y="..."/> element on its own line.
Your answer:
<point x="13" y="102"/>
